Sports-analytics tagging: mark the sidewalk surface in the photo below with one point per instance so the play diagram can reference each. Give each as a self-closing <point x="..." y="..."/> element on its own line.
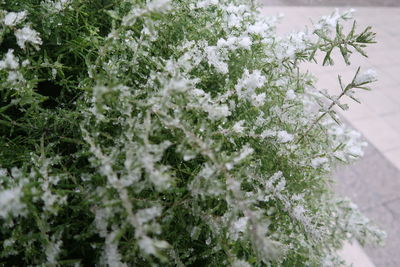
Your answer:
<point x="373" y="183"/>
<point x="332" y="2"/>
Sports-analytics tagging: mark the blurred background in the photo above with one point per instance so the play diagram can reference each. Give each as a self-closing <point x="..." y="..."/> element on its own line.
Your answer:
<point x="373" y="183"/>
<point x="336" y="3"/>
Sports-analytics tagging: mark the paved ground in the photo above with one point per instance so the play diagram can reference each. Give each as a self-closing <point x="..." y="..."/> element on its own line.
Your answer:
<point x="332" y="2"/>
<point x="374" y="182"/>
<point x="378" y="117"/>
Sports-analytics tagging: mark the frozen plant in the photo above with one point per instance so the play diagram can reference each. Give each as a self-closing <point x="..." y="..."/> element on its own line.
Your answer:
<point x="172" y="133"/>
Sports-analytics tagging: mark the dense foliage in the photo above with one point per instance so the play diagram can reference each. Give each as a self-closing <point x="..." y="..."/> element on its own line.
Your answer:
<point x="181" y="133"/>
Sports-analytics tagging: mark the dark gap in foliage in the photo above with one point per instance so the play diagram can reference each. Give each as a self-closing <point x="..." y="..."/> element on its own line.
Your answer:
<point x="8" y="43"/>
<point x="66" y="148"/>
<point x="50" y="89"/>
<point x="12" y="261"/>
<point x="77" y="249"/>
<point x="199" y="263"/>
<point x="8" y="119"/>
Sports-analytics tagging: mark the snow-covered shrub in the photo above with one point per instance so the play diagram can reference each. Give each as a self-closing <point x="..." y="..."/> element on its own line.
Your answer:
<point x="177" y="133"/>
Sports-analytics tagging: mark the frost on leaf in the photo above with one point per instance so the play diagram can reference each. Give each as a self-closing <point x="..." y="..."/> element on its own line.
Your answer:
<point x="28" y="35"/>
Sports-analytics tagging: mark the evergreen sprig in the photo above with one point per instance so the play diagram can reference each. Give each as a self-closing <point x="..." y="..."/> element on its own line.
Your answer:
<point x="177" y="133"/>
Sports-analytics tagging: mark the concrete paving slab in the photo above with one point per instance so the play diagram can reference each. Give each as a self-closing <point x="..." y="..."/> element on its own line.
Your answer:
<point x="394" y="157"/>
<point x="354" y="255"/>
<point x="378" y="115"/>
<point x="374" y="182"/>
<point x="380" y="133"/>
<point x="385" y="215"/>
<point x="369" y="182"/>
<point x="333" y="2"/>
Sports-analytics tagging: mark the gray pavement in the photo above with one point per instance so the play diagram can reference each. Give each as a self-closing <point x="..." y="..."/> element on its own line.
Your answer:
<point x="332" y="2"/>
<point x="373" y="183"/>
